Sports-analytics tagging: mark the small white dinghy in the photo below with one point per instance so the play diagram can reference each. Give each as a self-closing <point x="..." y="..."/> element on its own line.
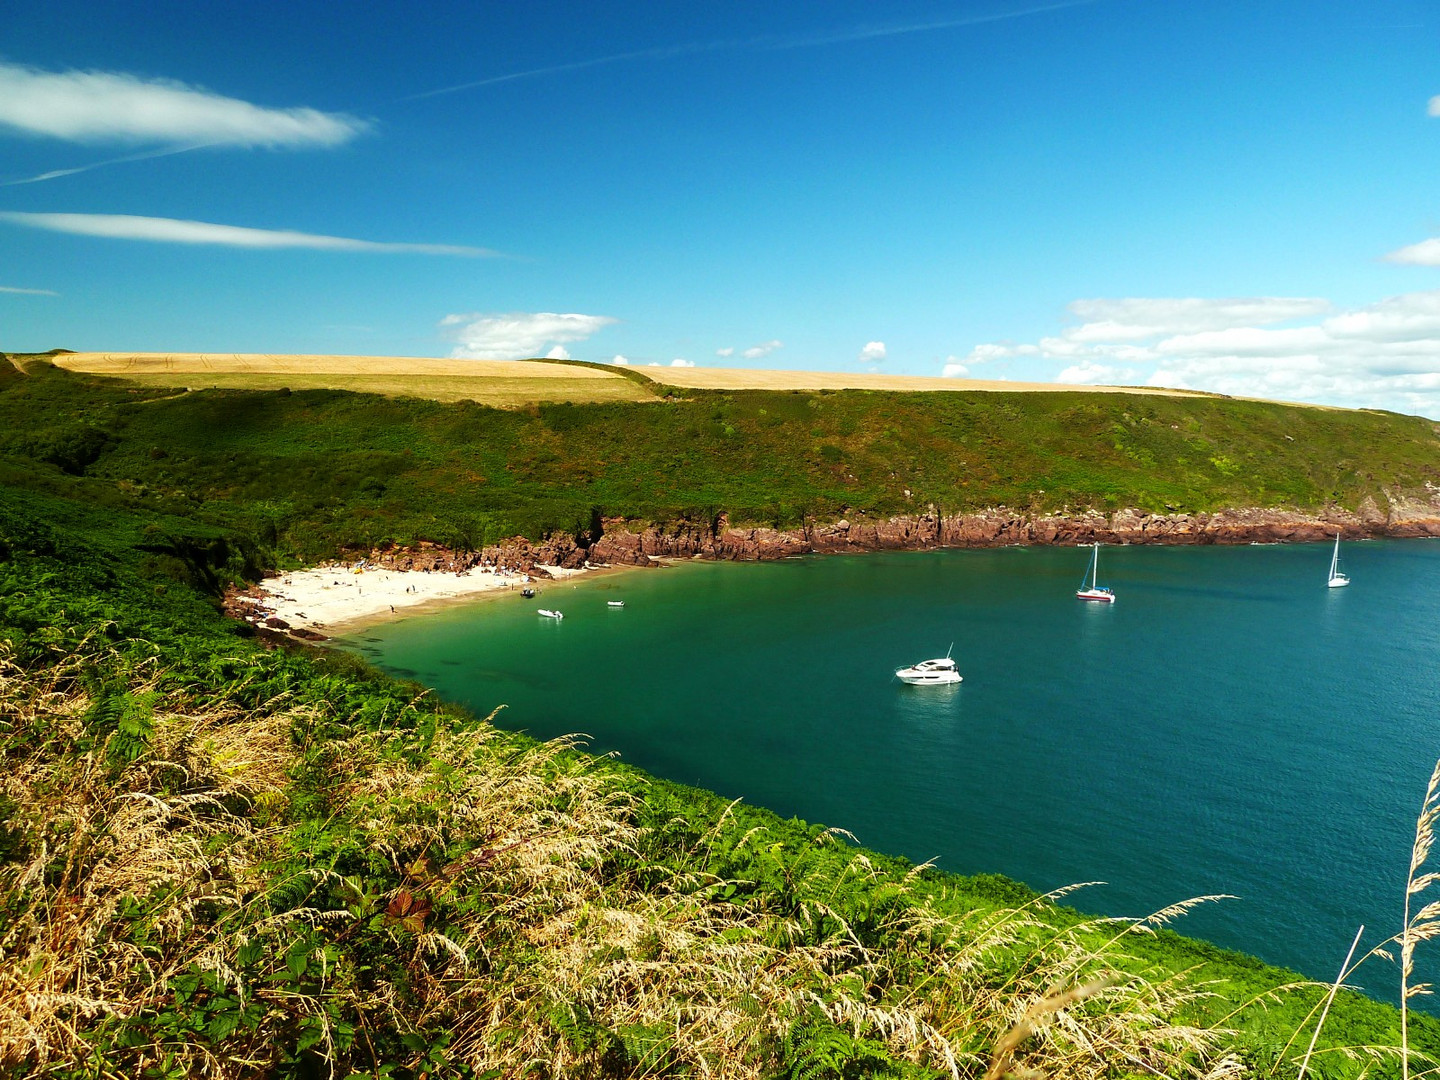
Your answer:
<point x="930" y="672"/>
<point x="614" y="603"/>
<point x="547" y="613"/>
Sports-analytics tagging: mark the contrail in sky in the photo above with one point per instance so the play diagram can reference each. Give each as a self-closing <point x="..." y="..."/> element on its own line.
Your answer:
<point x="837" y="37"/>
<point x="664" y="52"/>
<point x="55" y="174"/>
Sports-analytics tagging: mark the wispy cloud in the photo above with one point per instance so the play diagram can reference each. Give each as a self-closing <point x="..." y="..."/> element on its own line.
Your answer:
<point x="1434" y="107"/>
<point x="1425" y="253"/>
<point x="755" y="352"/>
<point x="1380" y="355"/>
<point x="27" y="292"/>
<point x="769" y="42"/>
<point x="176" y="231"/>
<point x="104" y="106"/>
<point x="680" y="361"/>
<point x="729" y="350"/>
<point x="518" y="335"/>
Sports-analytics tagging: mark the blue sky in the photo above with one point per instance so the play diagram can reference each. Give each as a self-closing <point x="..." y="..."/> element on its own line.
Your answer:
<point x="1234" y="196"/>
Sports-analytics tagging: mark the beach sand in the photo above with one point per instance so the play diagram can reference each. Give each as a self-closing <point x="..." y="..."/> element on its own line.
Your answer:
<point x="328" y="600"/>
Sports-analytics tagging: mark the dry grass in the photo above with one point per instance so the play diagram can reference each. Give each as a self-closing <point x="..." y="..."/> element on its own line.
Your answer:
<point x="171" y="834"/>
<point x="500" y="383"/>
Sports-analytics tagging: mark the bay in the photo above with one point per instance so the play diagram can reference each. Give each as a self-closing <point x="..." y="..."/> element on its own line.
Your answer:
<point x="1230" y="725"/>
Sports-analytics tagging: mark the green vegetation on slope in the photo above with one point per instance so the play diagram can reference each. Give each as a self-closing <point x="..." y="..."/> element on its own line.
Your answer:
<point x="220" y="859"/>
<point x="224" y="860"/>
<point x="308" y="473"/>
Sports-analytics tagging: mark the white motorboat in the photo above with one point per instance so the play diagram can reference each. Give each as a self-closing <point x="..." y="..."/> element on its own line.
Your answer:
<point x="547" y="613"/>
<point x="614" y="603"/>
<point x="930" y="672"/>
<point x="1095" y="591"/>
<point x="1338" y="578"/>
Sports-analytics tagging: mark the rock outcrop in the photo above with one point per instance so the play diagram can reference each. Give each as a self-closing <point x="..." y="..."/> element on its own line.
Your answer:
<point x="637" y="544"/>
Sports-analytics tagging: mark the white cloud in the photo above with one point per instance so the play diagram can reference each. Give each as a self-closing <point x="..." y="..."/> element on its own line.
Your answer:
<point x="176" y="231"/>
<point x="27" y="292"/>
<point x="1434" y="107"/>
<point x="755" y="352"/>
<point x="727" y="351"/>
<point x="1425" y="253"/>
<point x="558" y="352"/>
<point x="620" y="361"/>
<point x="954" y="369"/>
<point x="682" y="362"/>
<point x="101" y="106"/>
<point x="518" y="335"/>
<point x="1088" y="372"/>
<point x="1133" y="317"/>
<point x="1381" y="355"/>
<point x="873" y="352"/>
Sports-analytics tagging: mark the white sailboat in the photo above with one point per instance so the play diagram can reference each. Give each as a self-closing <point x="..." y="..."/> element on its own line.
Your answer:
<point x="1095" y="591"/>
<point x="1338" y="578"/>
<point x="931" y="672"/>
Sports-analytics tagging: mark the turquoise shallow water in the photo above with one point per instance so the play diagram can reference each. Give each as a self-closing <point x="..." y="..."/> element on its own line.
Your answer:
<point x="1230" y="725"/>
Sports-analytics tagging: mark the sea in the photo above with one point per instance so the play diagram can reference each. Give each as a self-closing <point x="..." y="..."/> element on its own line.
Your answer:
<point x="1229" y="727"/>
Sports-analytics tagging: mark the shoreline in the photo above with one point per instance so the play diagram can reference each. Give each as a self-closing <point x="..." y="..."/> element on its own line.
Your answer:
<point x="333" y="599"/>
<point x="317" y="603"/>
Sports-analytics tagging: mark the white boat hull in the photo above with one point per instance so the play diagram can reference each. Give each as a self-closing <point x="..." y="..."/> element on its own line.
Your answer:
<point x="1102" y="596"/>
<point x="1339" y="581"/>
<point x="546" y="613"/>
<point x="928" y="678"/>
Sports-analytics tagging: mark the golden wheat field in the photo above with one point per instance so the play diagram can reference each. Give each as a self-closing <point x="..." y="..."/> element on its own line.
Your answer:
<point x="501" y="383"/>
<point x="708" y="378"/>
<point x="505" y="383"/>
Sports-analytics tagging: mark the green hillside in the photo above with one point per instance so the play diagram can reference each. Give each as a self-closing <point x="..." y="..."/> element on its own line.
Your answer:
<point x="218" y="859"/>
<point x="309" y="472"/>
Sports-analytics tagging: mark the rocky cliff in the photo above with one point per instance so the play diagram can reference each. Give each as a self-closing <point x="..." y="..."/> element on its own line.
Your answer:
<point x="623" y="541"/>
<point x="629" y="542"/>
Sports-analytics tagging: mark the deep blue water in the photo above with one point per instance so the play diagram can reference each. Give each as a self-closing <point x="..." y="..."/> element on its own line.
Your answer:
<point x="1230" y="725"/>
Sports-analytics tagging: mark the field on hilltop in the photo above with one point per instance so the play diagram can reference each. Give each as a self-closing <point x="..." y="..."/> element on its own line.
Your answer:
<point x="498" y="383"/>
<point x="509" y="383"/>
<point x="710" y="378"/>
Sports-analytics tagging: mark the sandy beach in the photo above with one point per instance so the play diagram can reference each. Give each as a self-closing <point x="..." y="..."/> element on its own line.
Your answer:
<point x="327" y="600"/>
